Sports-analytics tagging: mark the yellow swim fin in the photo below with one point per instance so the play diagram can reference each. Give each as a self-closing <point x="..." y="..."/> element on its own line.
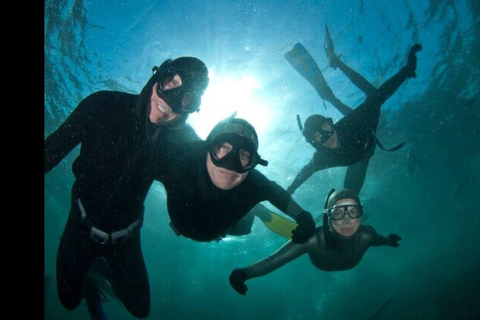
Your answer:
<point x="275" y="222"/>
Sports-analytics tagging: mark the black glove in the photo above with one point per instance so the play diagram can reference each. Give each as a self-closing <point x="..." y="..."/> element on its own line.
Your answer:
<point x="305" y="229"/>
<point x="237" y="280"/>
<point x="394" y="238"/>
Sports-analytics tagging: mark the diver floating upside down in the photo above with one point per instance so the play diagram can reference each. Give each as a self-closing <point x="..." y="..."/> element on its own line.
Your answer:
<point x="351" y="141"/>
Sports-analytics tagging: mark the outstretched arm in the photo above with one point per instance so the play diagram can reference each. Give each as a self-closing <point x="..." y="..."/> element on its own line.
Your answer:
<point x="303" y="176"/>
<point x="290" y="251"/>
<point x="391" y="240"/>
<point x="68" y="135"/>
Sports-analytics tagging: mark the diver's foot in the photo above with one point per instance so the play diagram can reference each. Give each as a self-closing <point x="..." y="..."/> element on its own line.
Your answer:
<point x="412" y="60"/>
<point x="330" y="49"/>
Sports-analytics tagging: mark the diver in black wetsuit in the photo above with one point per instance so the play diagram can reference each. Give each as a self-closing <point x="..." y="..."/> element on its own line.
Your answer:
<point x="124" y="139"/>
<point x="212" y="185"/>
<point x="351" y="141"/>
<point x="338" y="245"/>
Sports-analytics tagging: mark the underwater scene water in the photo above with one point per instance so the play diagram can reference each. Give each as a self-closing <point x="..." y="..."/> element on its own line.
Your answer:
<point x="431" y="203"/>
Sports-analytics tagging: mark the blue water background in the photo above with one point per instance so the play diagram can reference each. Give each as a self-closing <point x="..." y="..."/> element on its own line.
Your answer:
<point x="434" y="274"/>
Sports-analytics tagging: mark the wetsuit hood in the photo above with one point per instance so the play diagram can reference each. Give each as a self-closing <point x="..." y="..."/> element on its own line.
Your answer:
<point x="314" y="124"/>
<point x="192" y="71"/>
<point x="341" y="194"/>
<point x="241" y="135"/>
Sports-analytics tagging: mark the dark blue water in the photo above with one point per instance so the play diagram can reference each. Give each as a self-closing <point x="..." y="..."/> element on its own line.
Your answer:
<point x="434" y="274"/>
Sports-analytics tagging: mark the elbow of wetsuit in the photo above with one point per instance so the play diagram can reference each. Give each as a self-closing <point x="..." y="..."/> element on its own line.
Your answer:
<point x="305" y="229"/>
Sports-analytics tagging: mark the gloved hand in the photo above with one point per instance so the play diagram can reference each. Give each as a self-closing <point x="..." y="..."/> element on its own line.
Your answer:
<point x="237" y="281"/>
<point x="394" y="238"/>
<point x="305" y="229"/>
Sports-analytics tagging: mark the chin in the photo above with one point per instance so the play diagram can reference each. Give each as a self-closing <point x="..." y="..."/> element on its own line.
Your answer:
<point x="348" y="233"/>
<point x="225" y="186"/>
<point x="222" y="183"/>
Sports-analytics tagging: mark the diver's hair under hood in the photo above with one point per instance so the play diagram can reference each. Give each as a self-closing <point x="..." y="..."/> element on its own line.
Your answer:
<point x="192" y="71"/>
<point x="333" y="196"/>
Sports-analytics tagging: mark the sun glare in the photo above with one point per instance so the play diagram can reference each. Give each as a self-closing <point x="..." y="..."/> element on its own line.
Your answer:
<point x="226" y="95"/>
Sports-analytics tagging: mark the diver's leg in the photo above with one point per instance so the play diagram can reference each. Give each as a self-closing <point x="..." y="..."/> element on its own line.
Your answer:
<point x="244" y="226"/>
<point x="335" y="62"/>
<point x="355" y="175"/>
<point x="387" y="89"/>
<point x="357" y="79"/>
<point x="303" y="62"/>
<point x="74" y="257"/>
<point x="339" y="105"/>
<point x="129" y="277"/>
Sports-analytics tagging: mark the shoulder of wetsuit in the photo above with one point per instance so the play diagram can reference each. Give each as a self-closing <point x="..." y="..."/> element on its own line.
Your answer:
<point x="366" y="231"/>
<point x="189" y="134"/>
<point x="112" y="95"/>
<point x="104" y="99"/>
<point x="256" y="177"/>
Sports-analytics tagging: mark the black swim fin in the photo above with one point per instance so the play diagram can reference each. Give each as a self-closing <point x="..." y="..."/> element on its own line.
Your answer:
<point x="302" y="61"/>
<point x="94" y="297"/>
<point x="329" y="48"/>
<point x="275" y="222"/>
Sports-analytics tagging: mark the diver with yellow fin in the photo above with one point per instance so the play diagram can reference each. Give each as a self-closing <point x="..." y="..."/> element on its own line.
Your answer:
<point x="212" y="186"/>
<point x="352" y="140"/>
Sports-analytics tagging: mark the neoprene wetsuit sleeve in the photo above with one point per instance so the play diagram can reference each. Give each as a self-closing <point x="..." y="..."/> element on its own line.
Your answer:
<point x="68" y="135"/>
<point x="280" y="198"/>
<point x="289" y="252"/>
<point x="376" y="239"/>
<point x="303" y="176"/>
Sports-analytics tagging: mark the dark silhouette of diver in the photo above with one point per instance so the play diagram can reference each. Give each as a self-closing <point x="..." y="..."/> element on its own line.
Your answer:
<point x="212" y="185"/>
<point x="124" y="139"/>
<point x="351" y="141"/>
<point x="339" y="244"/>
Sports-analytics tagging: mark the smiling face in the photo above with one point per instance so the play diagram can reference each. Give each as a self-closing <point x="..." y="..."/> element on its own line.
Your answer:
<point x="222" y="178"/>
<point x="347" y="226"/>
<point x="160" y="113"/>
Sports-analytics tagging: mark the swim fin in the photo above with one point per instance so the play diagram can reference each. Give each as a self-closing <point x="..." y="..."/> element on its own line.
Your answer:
<point x="94" y="297"/>
<point x="330" y="49"/>
<point x="278" y="224"/>
<point x="302" y="61"/>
